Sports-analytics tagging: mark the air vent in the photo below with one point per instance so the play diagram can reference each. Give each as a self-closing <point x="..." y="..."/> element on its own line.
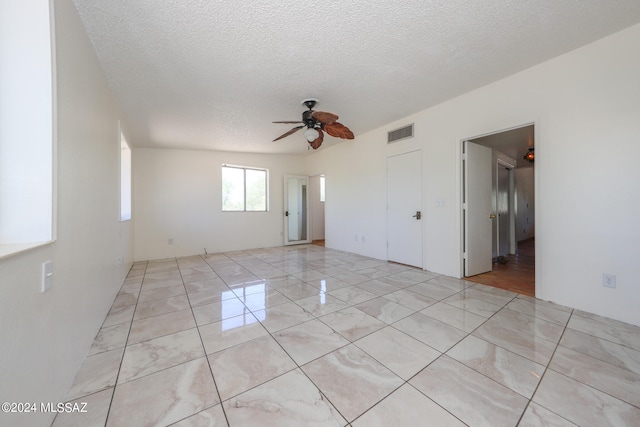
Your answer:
<point x="398" y="134"/>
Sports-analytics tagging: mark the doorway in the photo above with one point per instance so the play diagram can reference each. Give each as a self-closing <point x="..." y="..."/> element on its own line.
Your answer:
<point x="507" y="253"/>
<point x="296" y="210"/>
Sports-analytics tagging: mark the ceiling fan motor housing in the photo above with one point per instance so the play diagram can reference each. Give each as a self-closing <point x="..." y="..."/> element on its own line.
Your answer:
<point x="309" y="121"/>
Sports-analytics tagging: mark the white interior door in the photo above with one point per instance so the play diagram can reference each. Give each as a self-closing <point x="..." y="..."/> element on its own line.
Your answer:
<point x="404" y="206"/>
<point x="296" y="210"/>
<point x="478" y="215"/>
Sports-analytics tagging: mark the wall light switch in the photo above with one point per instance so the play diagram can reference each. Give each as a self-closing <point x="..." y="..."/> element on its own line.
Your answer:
<point x="47" y="275"/>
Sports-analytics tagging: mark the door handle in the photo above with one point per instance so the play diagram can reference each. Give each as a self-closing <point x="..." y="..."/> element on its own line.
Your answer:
<point x="286" y="213"/>
<point x="492" y="216"/>
<point x="418" y="215"/>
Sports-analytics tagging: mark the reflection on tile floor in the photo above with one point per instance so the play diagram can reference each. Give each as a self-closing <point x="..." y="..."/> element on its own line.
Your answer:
<point x="309" y="336"/>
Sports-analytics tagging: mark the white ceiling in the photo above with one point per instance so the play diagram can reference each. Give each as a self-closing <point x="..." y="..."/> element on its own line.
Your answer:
<point x="206" y="74"/>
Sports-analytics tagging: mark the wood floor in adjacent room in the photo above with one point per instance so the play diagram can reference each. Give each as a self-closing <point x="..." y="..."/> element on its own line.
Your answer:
<point x="517" y="275"/>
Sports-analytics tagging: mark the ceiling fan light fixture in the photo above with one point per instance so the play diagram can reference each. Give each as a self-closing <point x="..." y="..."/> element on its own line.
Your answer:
<point x="311" y="134"/>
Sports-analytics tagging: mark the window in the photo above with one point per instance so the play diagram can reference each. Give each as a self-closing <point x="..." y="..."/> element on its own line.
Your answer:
<point x="244" y="189"/>
<point x="125" y="179"/>
<point x="27" y="130"/>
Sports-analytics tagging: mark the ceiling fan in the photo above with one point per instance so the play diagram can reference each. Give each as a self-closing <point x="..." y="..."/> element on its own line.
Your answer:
<point x="316" y="122"/>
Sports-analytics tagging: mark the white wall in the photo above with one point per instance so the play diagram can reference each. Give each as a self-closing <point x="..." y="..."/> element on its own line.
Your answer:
<point x="178" y="195"/>
<point x="585" y="106"/>
<point x="45" y="336"/>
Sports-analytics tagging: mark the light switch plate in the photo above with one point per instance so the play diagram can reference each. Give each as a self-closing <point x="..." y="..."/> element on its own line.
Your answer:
<point x="47" y="275"/>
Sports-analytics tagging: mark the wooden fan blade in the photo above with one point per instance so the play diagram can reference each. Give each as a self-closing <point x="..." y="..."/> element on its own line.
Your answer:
<point x="294" y="130"/>
<point x="290" y="122"/>
<point x="324" y="118"/>
<point x="338" y="130"/>
<point x="316" y="143"/>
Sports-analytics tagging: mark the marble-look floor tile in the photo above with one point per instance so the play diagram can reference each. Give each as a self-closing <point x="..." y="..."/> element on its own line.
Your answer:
<point x="533" y="348"/>
<point x="207" y="285"/>
<point x="406" y="407"/>
<point x="430" y="331"/>
<point x="607" y="351"/>
<point x="431" y="290"/>
<point x="282" y="316"/>
<point x="161" y="293"/>
<point x="96" y="410"/>
<point x="96" y="373"/>
<point x="209" y="296"/>
<point x="160" y="353"/>
<point x="164" y="397"/>
<point x="283" y="282"/>
<point x="528" y="325"/>
<point x="537" y="416"/>
<point x="157" y="326"/>
<point x="490" y="294"/>
<point x="262" y="300"/>
<point x="110" y="338"/>
<point x="352" y="323"/>
<point x="352" y="380"/>
<point x="212" y="417"/>
<point x="385" y="310"/>
<point x="576" y="402"/>
<point x="454" y="316"/>
<point x="229" y="332"/>
<point x="246" y="365"/>
<point x="615" y="381"/>
<point x="328" y="284"/>
<point x="543" y="311"/>
<point x="241" y="290"/>
<point x="123" y="299"/>
<point x="299" y="291"/>
<point x="310" y="275"/>
<point x="218" y="311"/>
<point x="377" y="287"/>
<point x="290" y="400"/>
<point x="472" y="304"/>
<point x="163" y="306"/>
<point x="118" y="315"/>
<point x="310" y="340"/>
<point x="409" y="299"/>
<point x="352" y="278"/>
<point x="352" y="294"/>
<point x="608" y="329"/>
<point x="509" y="369"/>
<point x="399" y="352"/>
<point x="469" y="395"/>
<point x="321" y="304"/>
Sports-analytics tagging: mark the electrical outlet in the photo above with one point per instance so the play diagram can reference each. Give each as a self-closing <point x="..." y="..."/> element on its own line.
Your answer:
<point x="362" y="239"/>
<point x="609" y="280"/>
<point x="355" y="238"/>
<point x="170" y="241"/>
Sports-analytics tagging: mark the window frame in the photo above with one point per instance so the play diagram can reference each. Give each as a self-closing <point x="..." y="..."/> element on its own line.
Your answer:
<point x="244" y="187"/>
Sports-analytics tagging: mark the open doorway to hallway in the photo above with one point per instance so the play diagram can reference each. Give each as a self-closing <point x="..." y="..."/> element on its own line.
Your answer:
<point x="511" y="219"/>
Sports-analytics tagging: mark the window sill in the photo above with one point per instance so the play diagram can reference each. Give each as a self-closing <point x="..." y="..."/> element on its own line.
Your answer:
<point x="8" y="250"/>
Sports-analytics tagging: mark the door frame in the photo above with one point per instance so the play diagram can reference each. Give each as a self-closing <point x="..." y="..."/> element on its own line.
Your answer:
<point x="539" y="218"/>
<point x="286" y="209"/>
<point x="420" y="153"/>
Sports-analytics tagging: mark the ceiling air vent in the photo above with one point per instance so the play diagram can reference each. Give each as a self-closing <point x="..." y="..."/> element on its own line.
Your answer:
<point x="398" y="134"/>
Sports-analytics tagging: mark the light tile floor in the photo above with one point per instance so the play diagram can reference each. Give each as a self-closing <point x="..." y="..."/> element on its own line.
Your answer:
<point x="309" y="336"/>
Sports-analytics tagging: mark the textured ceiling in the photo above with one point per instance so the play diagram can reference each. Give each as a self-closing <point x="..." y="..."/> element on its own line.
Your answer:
<point x="208" y="74"/>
